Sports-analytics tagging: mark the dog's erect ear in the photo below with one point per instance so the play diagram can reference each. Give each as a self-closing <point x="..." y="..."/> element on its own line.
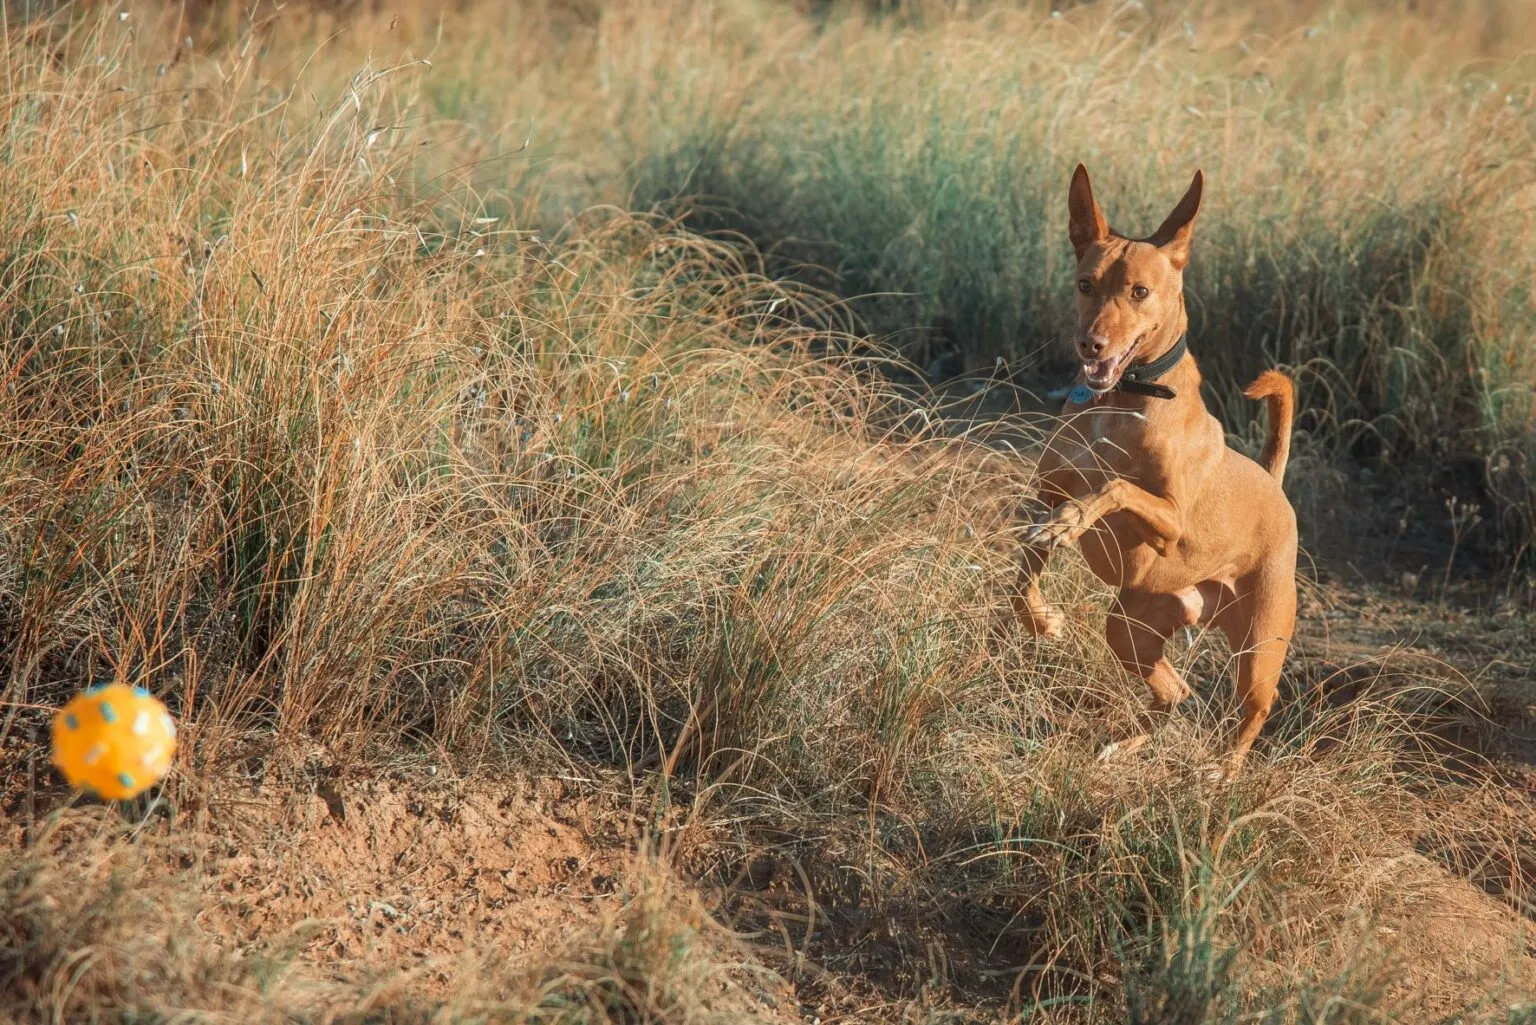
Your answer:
<point x="1178" y="230"/>
<point x="1086" y="224"/>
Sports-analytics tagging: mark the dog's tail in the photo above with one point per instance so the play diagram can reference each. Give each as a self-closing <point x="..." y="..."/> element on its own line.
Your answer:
<point x="1279" y="395"/>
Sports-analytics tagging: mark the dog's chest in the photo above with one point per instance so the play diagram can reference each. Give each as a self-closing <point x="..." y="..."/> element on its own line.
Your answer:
<point x="1103" y="440"/>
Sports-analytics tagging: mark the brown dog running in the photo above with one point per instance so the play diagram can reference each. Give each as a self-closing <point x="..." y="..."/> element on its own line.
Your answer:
<point x="1139" y="472"/>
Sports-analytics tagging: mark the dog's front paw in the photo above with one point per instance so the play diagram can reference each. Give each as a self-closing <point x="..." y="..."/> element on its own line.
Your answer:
<point x="1040" y="621"/>
<point x="1120" y="748"/>
<point x="1225" y="771"/>
<point x="1216" y="772"/>
<point x="1064" y="527"/>
<point x="1045" y="621"/>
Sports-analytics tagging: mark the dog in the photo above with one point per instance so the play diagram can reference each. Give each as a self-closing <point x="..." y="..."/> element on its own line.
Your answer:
<point x="1138" y="474"/>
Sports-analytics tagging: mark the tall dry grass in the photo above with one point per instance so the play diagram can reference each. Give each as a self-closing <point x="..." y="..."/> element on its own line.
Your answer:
<point x="331" y="447"/>
<point x="1368" y="224"/>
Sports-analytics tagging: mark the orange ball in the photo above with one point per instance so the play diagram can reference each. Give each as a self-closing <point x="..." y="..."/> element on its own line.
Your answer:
<point x="115" y="740"/>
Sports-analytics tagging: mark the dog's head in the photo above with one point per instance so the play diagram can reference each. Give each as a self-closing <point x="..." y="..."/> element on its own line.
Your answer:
<point x="1130" y="292"/>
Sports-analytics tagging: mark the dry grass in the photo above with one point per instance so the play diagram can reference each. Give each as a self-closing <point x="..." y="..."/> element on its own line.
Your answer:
<point x="86" y="936"/>
<point x="340" y="452"/>
<point x="96" y="929"/>
<point x="1369" y="223"/>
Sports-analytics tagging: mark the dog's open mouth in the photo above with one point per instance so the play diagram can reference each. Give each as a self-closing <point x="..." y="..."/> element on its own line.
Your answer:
<point x="1104" y="374"/>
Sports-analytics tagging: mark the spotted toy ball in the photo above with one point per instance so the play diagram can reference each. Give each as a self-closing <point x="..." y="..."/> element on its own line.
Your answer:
<point x="115" y="740"/>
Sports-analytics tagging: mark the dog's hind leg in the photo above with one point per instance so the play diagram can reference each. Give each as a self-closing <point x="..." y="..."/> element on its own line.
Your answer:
<point x="1138" y="627"/>
<point x="1260" y="640"/>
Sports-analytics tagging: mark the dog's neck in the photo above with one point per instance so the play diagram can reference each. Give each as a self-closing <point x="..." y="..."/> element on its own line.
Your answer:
<point x="1183" y="377"/>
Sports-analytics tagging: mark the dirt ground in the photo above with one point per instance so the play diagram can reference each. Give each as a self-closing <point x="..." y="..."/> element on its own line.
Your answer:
<point x="410" y="878"/>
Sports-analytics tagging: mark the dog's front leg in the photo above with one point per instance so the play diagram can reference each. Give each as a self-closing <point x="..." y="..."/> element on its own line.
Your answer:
<point x="1154" y="518"/>
<point x="1030" y="609"/>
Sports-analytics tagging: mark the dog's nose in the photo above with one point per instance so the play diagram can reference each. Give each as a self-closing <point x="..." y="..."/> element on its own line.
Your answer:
<point x="1091" y="345"/>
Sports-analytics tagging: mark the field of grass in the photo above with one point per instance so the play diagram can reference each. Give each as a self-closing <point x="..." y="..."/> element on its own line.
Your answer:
<point x="492" y="429"/>
<point x="1370" y="223"/>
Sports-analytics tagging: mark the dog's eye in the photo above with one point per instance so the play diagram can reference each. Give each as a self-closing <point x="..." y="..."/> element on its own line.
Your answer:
<point x="1084" y="285"/>
<point x="1140" y="292"/>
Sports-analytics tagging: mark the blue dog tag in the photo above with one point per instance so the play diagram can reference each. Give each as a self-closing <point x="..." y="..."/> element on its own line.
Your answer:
<point x="1081" y="395"/>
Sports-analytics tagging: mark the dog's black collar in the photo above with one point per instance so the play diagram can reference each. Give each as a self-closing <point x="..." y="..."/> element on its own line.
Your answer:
<point x="1142" y="378"/>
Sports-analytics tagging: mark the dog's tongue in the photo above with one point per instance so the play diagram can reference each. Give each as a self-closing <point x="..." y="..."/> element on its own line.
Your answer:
<point x="1096" y="368"/>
